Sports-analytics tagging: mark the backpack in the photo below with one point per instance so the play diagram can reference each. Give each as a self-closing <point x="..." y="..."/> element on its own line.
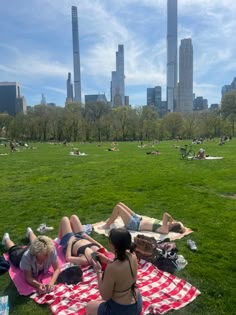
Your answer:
<point x="163" y="255"/>
<point x="70" y="275"/>
<point x="4" y="265"/>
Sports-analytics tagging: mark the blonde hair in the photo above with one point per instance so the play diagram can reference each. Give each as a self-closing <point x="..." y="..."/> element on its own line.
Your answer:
<point x="41" y="245"/>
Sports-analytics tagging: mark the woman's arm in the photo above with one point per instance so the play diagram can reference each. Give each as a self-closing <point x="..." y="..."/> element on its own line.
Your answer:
<point x="41" y="288"/>
<point x="54" y="276"/>
<point x="106" y="282"/>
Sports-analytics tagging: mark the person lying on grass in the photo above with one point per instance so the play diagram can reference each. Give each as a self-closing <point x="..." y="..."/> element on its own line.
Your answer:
<point x="77" y="245"/>
<point x="117" y="284"/>
<point x="135" y="222"/>
<point x="34" y="259"/>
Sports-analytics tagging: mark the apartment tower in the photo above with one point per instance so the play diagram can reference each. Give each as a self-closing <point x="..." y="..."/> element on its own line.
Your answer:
<point x="76" y="55"/>
<point x="118" y="80"/>
<point x="185" y="86"/>
<point x="171" y="54"/>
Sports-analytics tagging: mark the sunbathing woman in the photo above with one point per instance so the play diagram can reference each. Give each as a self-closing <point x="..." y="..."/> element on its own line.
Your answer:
<point x="135" y="222"/>
<point x="77" y="245"/>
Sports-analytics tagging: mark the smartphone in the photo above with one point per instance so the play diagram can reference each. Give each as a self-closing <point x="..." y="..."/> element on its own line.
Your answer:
<point x="94" y="256"/>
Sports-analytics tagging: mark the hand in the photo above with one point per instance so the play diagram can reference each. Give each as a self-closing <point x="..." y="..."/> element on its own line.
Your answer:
<point x="72" y="239"/>
<point x="97" y="266"/>
<point x="103" y="258"/>
<point x="42" y="289"/>
<point x="50" y="287"/>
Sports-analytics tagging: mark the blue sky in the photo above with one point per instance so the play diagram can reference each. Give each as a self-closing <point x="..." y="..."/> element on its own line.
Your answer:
<point x="36" y="45"/>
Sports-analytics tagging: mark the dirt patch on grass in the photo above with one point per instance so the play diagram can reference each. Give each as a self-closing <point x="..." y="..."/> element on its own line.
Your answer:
<point x="230" y="196"/>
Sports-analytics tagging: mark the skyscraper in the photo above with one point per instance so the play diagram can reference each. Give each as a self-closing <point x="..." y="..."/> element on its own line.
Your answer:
<point x="69" y="88"/>
<point x="171" y="54"/>
<point x="11" y="102"/>
<point x="118" y="80"/>
<point x="76" y="54"/>
<point x="185" y="86"/>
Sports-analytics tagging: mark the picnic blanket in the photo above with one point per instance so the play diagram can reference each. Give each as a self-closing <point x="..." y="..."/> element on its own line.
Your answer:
<point x="159" y="237"/>
<point x="207" y="158"/>
<point x="160" y="290"/>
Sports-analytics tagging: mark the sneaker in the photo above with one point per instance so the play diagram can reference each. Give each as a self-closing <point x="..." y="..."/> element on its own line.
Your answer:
<point x="43" y="228"/>
<point x="28" y="230"/>
<point x="192" y="245"/>
<point x="5" y="237"/>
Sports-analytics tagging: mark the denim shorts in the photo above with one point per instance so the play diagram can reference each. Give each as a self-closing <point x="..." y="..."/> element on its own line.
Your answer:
<point x="134" y="222"/>
<point x="65" y="239"/>
<point x="112" y="308"/>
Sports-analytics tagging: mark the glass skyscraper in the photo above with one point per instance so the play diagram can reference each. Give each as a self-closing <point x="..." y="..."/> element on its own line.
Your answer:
<point x="76" y="54"/>
<point x="171" y="54"/>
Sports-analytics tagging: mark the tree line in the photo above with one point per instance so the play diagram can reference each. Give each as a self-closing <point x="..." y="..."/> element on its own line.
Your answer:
<point x="100" y="122"/>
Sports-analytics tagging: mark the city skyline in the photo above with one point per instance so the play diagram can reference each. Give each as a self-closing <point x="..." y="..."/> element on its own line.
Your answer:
<point x="36" y="46"/>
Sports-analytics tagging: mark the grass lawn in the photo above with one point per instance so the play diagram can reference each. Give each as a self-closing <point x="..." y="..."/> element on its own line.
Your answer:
<point x="44" y="184"/>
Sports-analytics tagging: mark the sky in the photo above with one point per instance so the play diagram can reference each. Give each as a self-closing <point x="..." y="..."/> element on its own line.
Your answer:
<point x="36" y="45"/>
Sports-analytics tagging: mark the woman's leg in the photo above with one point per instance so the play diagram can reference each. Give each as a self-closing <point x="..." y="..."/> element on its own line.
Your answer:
<point x="8" y="243"/>
<point x="65" y="227"/>
<point x="75" y="223"/>
<point x="119" y="211"/>
<point x="126" y="208"/>
<point x="31" y="236"/>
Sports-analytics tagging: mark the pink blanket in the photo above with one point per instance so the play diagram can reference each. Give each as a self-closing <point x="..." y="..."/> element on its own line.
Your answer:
<point x="18" y="278"/>
<point x="160" y="290"/>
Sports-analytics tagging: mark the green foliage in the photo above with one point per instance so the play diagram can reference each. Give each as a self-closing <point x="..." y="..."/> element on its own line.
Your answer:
<point x="44" y="184"/>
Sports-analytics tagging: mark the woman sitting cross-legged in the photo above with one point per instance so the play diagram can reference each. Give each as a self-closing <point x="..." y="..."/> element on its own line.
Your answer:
<point x="117" y="284"/>
<point x="135" y="222"/>
<point x="77" y="245"/>
<point x="34" y="259"/>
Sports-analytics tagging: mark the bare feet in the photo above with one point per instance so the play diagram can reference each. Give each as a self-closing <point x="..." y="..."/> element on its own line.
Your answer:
<point x="104" y="227"/>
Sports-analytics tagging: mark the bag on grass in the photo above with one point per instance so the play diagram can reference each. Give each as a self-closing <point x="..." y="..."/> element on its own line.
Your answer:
<point x="163" y="255"/>
<point x="70" y="275"/>
<point x="4" y="265"/>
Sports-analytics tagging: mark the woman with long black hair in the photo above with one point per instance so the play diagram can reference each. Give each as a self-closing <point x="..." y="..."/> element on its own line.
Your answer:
<point x="117" y="284"/>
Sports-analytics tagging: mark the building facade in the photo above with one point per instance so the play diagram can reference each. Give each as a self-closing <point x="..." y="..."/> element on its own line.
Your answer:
<point x="76" y="54"/>
<point x="118" y="80"/>
<point x="228" y="88"/>
<point x="95" y="98"/>
<point x="184" y="102"/>
<point x="200" y="103"/>
<point x="11" y="101"/>
<point x="171" y="54"/>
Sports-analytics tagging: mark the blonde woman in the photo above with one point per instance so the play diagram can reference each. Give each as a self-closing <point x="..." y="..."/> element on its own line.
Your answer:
<point x="34" y="259"/>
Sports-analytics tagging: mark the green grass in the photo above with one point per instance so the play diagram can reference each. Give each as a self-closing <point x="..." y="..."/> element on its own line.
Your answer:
<point x="43" y="184"/>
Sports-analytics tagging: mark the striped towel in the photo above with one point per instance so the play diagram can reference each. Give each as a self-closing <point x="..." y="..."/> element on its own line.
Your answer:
<point x="160" y="290"/>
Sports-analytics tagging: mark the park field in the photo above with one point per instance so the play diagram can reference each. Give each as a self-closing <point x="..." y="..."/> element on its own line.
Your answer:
<point x="45" y="183"/>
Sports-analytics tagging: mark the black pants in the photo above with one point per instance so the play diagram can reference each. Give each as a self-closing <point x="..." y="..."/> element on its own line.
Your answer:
<point x="15" y="254"/>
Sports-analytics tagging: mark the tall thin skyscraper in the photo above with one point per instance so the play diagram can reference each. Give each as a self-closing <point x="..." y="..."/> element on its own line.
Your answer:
<point x="118" y="80"/>
<point x="69" y="86"/>
<point x="171" y="54"/>
<point x="185" y="87"/>
<point x="76" y="54"/>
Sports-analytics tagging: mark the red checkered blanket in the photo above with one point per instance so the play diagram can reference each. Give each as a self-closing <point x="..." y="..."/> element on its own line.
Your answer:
<point x="160" y="290"/>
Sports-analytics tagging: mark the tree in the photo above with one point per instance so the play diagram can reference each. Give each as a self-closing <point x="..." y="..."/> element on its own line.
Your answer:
<point x="228" y="108"/>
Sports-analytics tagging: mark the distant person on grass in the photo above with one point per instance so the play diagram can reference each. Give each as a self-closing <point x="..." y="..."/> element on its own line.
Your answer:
<point x="201" y="154"/>
<point x="77" y="245"/>
<point x="34" y="259"/>
<point x="135" y="222"/>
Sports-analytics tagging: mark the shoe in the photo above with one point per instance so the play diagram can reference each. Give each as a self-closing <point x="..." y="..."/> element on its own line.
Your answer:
<point x="5" y="237"/>
<point x="28" y="230"/>
<point x="192" y="245"/>
<point x="43" y="228"/>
